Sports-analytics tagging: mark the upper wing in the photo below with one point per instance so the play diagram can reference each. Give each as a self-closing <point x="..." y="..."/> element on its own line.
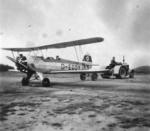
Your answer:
<point x="59" y="45"/>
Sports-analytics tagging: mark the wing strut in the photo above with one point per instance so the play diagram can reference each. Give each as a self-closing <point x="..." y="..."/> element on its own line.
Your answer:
<point x="42" y="53"/>
<point x="76" y="53"/>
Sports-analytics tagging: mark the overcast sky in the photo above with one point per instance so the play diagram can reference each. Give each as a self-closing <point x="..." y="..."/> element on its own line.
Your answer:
<point x="124" y="25"/>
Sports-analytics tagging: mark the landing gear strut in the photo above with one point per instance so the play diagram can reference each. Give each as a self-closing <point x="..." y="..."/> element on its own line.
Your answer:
<point x="25" y="80"/>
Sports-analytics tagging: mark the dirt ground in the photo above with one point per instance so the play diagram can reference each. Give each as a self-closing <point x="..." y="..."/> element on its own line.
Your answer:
<point x="72" y="105"/>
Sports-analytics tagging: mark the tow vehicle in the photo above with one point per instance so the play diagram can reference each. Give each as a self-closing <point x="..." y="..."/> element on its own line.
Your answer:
<point x="119" y="71"/>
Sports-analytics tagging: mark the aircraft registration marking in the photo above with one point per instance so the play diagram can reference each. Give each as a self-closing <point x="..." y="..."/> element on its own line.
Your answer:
<point x="71" y="66"/>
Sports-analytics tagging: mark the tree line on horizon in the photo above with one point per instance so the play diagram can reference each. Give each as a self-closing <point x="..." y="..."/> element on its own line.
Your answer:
<point x="142" y="70"/>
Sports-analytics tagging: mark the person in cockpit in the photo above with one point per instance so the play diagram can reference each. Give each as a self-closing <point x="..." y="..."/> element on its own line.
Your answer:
<point x="57" y="57"/>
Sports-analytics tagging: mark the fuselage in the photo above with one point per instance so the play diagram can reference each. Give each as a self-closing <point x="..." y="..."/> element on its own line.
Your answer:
<point x="50" y="64"/>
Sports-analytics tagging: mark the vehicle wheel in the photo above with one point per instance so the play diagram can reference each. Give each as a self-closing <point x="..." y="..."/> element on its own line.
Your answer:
<point x="25" y="81"/>
<point x="83" y="76"/>
<point x="122" y="73"/>
<point x="94" y="77"/>
<point x="117" y="76"/>
<point x="45" y="82"/>
<point x="131" y="74"/>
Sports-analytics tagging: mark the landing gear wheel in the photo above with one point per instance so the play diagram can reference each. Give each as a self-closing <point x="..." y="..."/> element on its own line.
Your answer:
<point x="45" y="82"/>
<point x="105" y="76"/>
<point x="94" y="77"/>
<point x="25" y="81"/>
<point x="83" y="76"/>
<point x="122" y="73"/>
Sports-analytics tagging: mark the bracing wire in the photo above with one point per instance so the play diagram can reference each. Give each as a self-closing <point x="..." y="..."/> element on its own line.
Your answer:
<point x="46" y="53"/>
<point x="42" y="53"/>
<point x="81" y="51"/>
<point x="29" y="54"/>
<point x="13" y="54"/>
<point x="76" y="53"/>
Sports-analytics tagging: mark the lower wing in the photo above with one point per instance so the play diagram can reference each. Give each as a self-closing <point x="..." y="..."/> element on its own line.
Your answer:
<point x="78" y="71"/>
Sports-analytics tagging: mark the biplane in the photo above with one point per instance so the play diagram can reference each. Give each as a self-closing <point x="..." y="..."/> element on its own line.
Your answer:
<point x="36" y="66"/>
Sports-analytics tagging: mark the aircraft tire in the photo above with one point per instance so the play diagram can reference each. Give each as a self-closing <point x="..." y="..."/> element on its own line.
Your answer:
<point x="94" y="76"/>
<point x="105" y="76"/>
<point x="122" y="73"/>
<point x="83" y="76"/>
<point x="25" y="81"/>
<point x="45" y="82"/>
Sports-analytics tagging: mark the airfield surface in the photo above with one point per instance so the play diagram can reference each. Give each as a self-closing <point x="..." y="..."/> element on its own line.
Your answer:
<point x="73" y="105"/>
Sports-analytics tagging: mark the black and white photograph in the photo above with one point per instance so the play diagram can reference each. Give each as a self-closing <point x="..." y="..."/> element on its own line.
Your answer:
<point x="74" y="65"/>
